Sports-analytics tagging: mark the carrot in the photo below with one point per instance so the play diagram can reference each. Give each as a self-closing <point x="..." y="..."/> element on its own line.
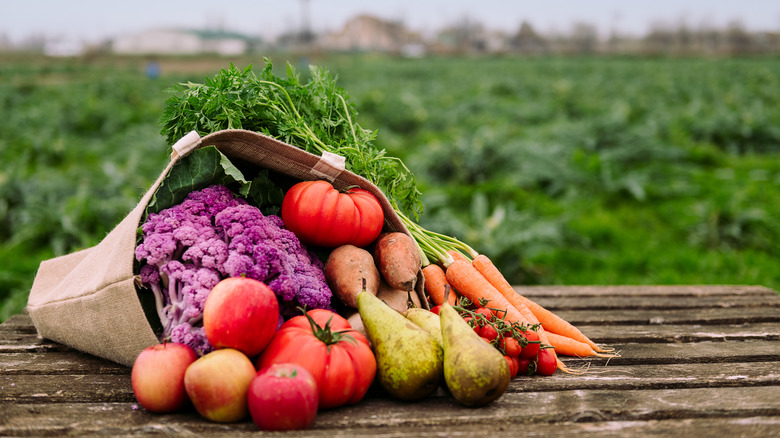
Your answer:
<point x="462" y="276"/>
<point x="488" y="270"/>
<point x="435" y="284"/>
<point x="471" y="284"/>
<point x="550" y="321"/>
<point x="457" y="255"/>
<point x="570" y="347"/>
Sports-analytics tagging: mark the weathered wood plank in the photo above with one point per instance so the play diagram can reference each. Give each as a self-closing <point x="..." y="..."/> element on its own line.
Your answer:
<point x="101" y="387"/>
<point x="607" y="334"/>
<point x="53" y="363"/>
<point x="20" y="343"/>
<point x="42" y="388"/>
<point x="636" y="316"/>
<point x="699" y="352"/>
<point x="121" y="420"/>
<point x="656" y="302"/>
<point x="643" y="290"/>
<point x="440" y="413"/>
<point x="644" y="377"/>
<point x="20" y="319"/>
<point x="70" y="362"/>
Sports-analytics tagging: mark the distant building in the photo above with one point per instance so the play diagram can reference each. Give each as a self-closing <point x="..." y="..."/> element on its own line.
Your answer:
<point x="366" y="33"/>
<point x="181" y="42"/>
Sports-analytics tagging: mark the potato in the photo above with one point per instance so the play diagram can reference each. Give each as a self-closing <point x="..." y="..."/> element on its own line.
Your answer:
<point x="357" y="323"/>
<point x="397" y="299"/>
<point x="346" y="268"/>
<point x="398" y="259"/>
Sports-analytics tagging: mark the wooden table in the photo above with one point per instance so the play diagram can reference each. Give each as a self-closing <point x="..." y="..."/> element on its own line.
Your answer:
<point x="696" y="361"/>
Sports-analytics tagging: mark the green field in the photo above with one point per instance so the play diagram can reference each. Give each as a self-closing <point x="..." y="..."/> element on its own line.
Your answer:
<point x="563" y="170"/>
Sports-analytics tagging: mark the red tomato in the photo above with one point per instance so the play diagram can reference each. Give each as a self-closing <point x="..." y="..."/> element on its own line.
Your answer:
<point x="322" y="216"/>
<point x="545" y="362"/>
<point x="513" y="365"/>
<point x="511" y="346"/>
<point x="485" y="312"/>
<point x="470" y="322"/>
<point x="436" y="309"/>
<point x="489" y="332"/>
<point x="531" y="349"/>
<point x="344" y="369"/>
<point x="523" y="365"/>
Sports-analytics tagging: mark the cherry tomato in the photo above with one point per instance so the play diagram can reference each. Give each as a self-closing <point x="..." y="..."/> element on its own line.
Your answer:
<point x="489" y="332"/>
<point x="522" y="366"/>
<point x="531" y="349"/>
<point x="545" y="362"/>
<point x="484" y="312"/>
<point x="514" y="366"/>
<point x="470" y="322"/>
<point x="511" y="346"/>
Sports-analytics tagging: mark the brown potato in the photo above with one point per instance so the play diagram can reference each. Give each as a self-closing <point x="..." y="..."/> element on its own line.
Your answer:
<point x="346" y="268"/>
<point x="357" y="323"/>
<point x="398" y="259"/>
<point x="397" y="299"/>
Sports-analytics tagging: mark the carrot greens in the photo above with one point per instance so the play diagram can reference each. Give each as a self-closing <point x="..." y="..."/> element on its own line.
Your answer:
<point x="316" y="116"/>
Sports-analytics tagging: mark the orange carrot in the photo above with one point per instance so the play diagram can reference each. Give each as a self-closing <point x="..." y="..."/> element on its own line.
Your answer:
<point x="550" y="321"/>
<point x="435" y="284"/>
<point x="471" y="284"/>
<point x="457" y="255"/>
<point x="484" y="266"/>
<point x="462" y="276"/>
<point x="570" y="347"/>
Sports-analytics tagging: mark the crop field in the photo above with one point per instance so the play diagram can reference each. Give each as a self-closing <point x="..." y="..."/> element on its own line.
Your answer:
<point x="564" y="170"/>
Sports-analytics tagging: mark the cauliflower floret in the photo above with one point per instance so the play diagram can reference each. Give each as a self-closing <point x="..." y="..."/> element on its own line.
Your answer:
<point x="211" y="235"/>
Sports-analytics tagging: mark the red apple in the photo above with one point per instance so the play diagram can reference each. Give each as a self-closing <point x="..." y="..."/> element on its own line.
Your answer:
<point x="283" y="396"/>
<point x="241" y="313"/>
<point x="218" y="383"/>
<point x="157" y="376"/>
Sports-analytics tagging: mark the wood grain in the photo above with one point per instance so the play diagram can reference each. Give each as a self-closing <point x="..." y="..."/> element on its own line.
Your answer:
<point x="695" y="361"/>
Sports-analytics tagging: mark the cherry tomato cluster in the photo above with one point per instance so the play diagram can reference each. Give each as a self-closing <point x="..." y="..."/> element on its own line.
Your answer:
<point x="519" y="344"/>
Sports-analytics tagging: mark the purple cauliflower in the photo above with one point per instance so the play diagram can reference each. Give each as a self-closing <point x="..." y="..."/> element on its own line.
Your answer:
<point x="211" y="235"/>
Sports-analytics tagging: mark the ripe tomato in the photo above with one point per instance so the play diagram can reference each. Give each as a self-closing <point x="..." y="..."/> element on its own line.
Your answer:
<point x="320" y="215"/>
<point x="511" y="346"/>
<point x="436" y="309"/>
<point x="344" y="368"/>
<point x="545" y="362"/>
<point x="522" y="366"/>
<point x="485" y="312"/>
<point x="513" y="365"/>
<point x="472" y="323"/>
<point x="531" y="349"/>
<point x="488" y="332"/>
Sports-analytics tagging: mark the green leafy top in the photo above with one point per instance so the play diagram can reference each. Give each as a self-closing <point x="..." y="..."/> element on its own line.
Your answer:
<point x="315" y="116"/>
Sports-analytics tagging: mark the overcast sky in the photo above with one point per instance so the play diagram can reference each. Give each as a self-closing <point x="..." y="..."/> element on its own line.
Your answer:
<point x="93" y="20"/>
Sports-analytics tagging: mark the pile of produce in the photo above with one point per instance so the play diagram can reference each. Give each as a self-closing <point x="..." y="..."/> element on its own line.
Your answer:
<point x="299" y="290"/>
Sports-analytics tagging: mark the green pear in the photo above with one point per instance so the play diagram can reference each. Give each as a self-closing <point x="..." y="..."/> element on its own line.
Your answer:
<point x="409" y="360"/>
<point x="427" y="320"/>
<point x="475" y="371"/>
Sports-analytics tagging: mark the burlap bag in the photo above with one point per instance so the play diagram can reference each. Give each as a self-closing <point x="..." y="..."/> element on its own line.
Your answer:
<point x="88" y="300"/>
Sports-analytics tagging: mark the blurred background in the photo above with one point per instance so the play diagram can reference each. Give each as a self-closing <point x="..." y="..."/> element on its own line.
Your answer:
<point x="597" y="142"/>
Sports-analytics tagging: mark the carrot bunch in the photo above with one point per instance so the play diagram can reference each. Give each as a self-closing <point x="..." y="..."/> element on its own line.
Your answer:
<point x="479" y="280"/>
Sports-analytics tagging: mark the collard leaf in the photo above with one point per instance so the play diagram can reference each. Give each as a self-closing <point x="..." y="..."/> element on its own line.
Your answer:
<point x="266" y="192"/>
<point x="195" y="171"/>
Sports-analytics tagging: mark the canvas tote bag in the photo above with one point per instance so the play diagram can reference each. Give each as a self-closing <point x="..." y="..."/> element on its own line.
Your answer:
<point x="87" y="300"/>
